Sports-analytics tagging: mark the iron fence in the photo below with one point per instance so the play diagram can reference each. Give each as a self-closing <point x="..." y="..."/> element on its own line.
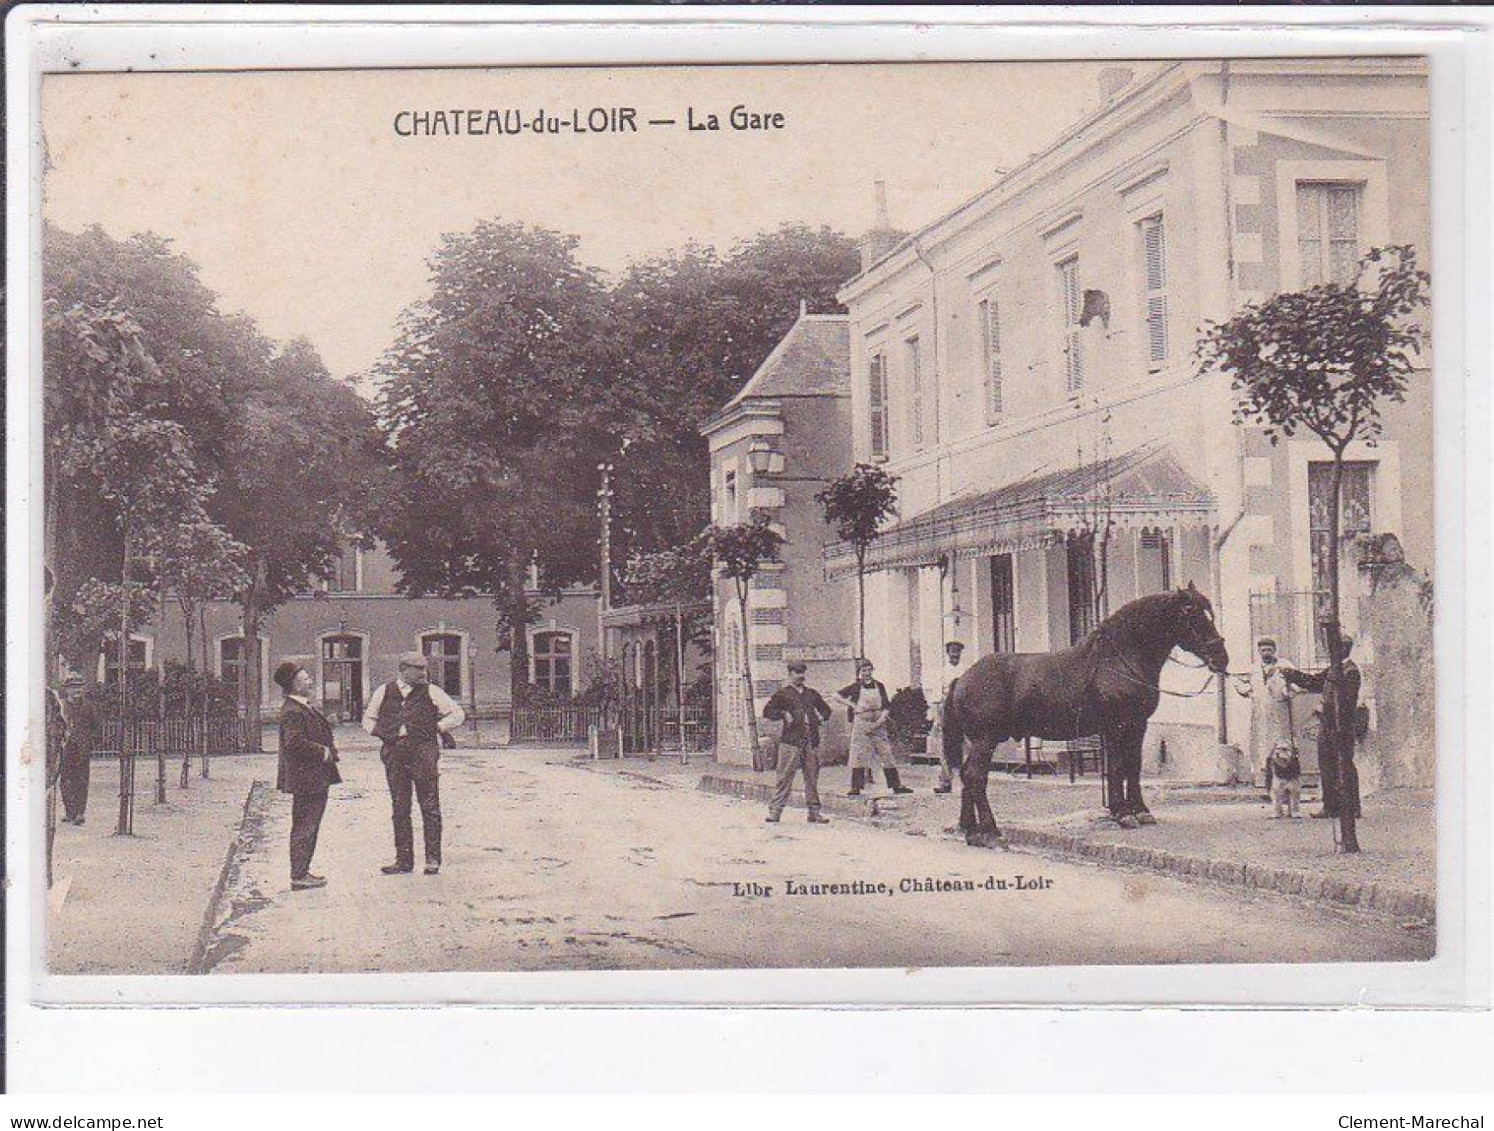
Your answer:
<point x="643" y="729"/>
<point x="176" y="736"/>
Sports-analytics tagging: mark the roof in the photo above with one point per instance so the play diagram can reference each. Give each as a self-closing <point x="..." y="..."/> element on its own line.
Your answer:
<point x="813" y="359"/>
<point x="1146" y="486"/>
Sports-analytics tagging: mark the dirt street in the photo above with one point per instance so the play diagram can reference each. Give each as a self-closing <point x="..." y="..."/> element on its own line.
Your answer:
<point x="552" y="864"/>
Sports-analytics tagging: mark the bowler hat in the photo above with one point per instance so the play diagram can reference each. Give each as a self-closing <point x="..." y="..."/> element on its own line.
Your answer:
<point x="285" y="674"/>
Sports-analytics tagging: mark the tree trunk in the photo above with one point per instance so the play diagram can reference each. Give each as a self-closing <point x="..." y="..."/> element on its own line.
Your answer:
<point x="125" y="824"/>
<point x="161" y="689"/>
<point x="861" y="602"/>
<point x="752" y="739"/>
<point x="517" y="601"/>
<point x="187" y="688"/>
<point x="202" y="737"/>
<point x="1348" y="837"/>
<point x="250" y="659"/>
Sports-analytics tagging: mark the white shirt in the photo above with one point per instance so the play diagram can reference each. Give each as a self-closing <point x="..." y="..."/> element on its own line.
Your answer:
<point x="451" y="713"/>
<point x="301" y="699"/>
<point x="952" y="672"/>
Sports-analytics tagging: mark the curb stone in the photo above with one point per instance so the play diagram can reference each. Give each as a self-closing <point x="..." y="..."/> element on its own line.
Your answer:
<point x="247" y="838"/>
<point x="1382" y="898"/>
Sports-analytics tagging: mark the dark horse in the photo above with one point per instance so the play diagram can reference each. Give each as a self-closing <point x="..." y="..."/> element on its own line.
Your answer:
<point x="1106" y="684"/>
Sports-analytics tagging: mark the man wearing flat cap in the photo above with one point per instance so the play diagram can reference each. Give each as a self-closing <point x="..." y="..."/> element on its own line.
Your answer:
<point x="801" y="711"/>
<point x="409" y="715"/>
<point x="1271" y="723"/>
<point x="308" y="767"/>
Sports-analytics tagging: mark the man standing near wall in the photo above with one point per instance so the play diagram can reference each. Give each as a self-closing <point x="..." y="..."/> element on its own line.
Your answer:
<point x="1336" y="732"/>
<point x="949" y="760"/>
<point x="1270" y="695"/>
<point x="801" y="710"/>
<point x="409" y="714"/>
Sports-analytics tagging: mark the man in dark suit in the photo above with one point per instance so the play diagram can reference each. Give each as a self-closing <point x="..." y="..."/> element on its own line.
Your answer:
<point x="308" y="766"/>
<point x="409" y="715"/>
<point x="80" y="736"/>
<point x="1336" y="733"/>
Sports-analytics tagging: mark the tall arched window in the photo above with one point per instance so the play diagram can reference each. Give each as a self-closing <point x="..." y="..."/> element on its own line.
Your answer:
<point x="443" y="651"/>
<point x="552" y="655"/>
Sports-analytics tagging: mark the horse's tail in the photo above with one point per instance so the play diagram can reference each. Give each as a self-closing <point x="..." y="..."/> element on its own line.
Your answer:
<point x="954" y="730"/>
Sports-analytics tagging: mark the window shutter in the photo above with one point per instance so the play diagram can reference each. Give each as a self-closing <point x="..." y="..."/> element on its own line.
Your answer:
<point x="915" y="388"/>
<point x="1154" y="267"/>
<point x="877" y="403"/>
<point x="1070" y="298"/>
<point x="990" y="335"/>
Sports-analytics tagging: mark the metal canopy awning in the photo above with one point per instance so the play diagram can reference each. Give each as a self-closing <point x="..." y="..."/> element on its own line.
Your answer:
<point x="1143" y="488"/>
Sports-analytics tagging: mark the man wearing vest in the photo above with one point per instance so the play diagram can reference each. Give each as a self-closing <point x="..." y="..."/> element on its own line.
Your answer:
<point x="409" y="715"/>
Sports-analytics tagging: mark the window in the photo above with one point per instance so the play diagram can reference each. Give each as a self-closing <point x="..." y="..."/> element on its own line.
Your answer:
<point x="443" y="652"/>
<point x="1071" y="307"/>
<point x="876" y="400"/>
<point x="914" y="357"/>
<point x="1154" y="285"/>
<point x="552" y="662"/>
<point x="1353" y="518"/>
<point x="729" y="500"/>
<point x="110" y="654"/>
<point x="343" y="577"/>
<point x="1003" y="605"/>
<point x="1153" y="563"/>
<point x="1081" y="571"/>
<point x="989" y="322"/>
<point x="231" y="658"/>
<point x="1328" y="232"/>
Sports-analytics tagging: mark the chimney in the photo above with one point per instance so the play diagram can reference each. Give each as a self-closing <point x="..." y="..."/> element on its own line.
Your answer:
<point x="1113" y="80"/>
<point x="882" y="238"/>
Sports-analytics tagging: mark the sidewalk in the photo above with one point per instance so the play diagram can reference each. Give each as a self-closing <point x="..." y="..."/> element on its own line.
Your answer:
<point x="135" y="905"/>
<point x="1215" y="833"/>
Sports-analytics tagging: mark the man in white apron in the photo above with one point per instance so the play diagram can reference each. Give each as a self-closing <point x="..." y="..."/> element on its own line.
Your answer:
<point x="1270" y="698"/>
<point x="871" y="746"/>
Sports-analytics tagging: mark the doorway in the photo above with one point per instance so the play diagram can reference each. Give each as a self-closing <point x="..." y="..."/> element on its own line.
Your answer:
<point x="342" y="677"/>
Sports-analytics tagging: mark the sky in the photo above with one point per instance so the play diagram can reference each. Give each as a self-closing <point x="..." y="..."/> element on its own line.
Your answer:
<point x="305" y="209"/>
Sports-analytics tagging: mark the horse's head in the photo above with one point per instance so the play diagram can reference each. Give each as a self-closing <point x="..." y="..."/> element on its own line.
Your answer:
<point x="1196" y="631"/>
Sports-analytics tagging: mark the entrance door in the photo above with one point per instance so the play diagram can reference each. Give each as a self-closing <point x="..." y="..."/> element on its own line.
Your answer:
<point x="342" y="677"/>
<point x="1003" y="605"/>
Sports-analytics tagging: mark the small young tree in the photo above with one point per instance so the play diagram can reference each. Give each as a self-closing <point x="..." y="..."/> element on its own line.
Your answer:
<point x="739" y="552"/>
<point x="1323" y="360"/>
<point x="858" y="504"/>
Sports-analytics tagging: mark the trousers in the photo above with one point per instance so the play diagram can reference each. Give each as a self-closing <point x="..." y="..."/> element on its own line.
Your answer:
<point x="414" y="765"/>
<point x="306" y="822"/>
<point x="74" y="783"/>
<point x="791" y="759"/>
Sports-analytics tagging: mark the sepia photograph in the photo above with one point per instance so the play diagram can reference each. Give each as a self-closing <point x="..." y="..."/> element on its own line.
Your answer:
<point x="776" y="517"/>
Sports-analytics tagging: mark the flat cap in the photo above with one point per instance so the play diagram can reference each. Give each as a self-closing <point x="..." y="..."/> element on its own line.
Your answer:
<point x="412" y="659"/>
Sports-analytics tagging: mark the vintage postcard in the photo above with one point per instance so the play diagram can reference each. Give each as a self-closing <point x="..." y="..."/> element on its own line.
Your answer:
<point x="902" y="515"/>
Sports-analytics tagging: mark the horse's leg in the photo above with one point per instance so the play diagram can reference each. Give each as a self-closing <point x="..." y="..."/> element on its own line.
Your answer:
<point x="983" y="832"/>
<point x="967" y="797"/>
<point x="1115" y="774"/>
<point x="1138" y="807"/>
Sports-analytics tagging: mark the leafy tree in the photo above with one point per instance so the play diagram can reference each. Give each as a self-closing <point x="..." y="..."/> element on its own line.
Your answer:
<point x="697" y="325"/>
<point x="498" y="398"/>
<point x="858" y="505"/>
<point x="302" y="473"/>
<point x="1324" y="360"/>
<point x="739" y="552"/>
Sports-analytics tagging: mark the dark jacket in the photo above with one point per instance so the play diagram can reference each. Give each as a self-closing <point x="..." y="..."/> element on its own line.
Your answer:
<point x="801" y="713"/>
<point x="416" y="712"/>
<point x="83" y="732"/>
<point x="1340" y="701"/>
<point x="305" y="738"/>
